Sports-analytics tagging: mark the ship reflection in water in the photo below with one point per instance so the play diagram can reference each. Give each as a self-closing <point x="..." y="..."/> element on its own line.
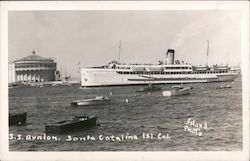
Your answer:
<point x="133" y="121"/>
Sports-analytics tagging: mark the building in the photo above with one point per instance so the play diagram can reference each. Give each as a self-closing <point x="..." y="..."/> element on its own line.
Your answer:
<point x="11" y="72"/>
<point x="34" y="68"/>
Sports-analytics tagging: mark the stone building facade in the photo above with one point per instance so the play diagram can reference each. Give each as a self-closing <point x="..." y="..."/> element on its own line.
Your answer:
<point x="34" y="68"/>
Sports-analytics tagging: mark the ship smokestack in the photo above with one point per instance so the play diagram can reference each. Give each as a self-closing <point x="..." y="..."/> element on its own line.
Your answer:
<point x="170" y="56"/>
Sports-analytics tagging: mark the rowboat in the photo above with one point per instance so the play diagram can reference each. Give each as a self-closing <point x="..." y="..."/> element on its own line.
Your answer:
<point x="98" y="100"/>
<point x="77" y="124"/>
<point x="177" y="90"/>
<point x="17" y="119"/>
<point x="224" y="86"/>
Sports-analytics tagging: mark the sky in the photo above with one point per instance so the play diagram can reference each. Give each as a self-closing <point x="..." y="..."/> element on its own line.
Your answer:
<point x="92" y="38"/>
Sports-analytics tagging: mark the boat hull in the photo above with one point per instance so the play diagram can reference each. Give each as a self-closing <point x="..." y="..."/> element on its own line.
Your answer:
<point x="184" y="91"/>
<point x="17" y="119"/>
<point x="109" y="77"/>
<point x="92" y="102"/>
<point x="71" y="125"/>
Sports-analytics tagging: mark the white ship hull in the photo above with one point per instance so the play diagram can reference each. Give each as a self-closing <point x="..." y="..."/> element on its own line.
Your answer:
<point x="91" y="77"/>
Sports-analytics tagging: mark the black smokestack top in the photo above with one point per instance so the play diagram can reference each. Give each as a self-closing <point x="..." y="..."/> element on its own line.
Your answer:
<point x="171" y="51"/>
<point x="170" y="56"/>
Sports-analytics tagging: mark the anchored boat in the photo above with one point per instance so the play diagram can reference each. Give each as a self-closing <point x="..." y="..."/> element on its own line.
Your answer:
<point x="98" y="100"/>
<point x="224" y="86"/>
<point x="77" y="124"/>
<point x="177" y="91"/>
<point x="17" y="119"/>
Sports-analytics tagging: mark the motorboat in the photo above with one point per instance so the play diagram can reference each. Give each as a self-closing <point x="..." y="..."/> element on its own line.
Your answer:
<point x="149" y="88"/>
<point x="98" y="100"/>
<point x="177" y="90"/>
<point x="18" y="119"/>
<point x="78" y="123"/>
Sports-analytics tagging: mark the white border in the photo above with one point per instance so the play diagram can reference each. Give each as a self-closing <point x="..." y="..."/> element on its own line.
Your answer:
<point x="243" y="6"/>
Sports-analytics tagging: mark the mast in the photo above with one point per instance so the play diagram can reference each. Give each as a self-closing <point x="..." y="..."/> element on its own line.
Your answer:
<point x="119" y="51"/>
<point x="207" y="50"/>
<point x="61" y="76"/>
<point x="66" y="73"/>
<point x="79" y="67"/>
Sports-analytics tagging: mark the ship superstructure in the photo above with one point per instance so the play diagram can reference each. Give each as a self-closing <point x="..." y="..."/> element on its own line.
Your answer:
<point x="115" y="73"/>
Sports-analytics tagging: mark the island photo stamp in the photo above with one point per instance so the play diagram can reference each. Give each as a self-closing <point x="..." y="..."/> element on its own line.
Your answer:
<point x="125" y="80"/>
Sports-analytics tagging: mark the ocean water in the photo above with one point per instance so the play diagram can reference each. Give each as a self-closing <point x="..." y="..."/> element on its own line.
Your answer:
<point x="123" y="122"/>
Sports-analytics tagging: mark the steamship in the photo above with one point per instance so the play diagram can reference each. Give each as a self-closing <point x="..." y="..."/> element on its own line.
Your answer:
<point x="171" y="71"/>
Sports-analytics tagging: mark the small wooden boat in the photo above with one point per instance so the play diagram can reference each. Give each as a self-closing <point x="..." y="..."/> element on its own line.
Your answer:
<point x="99" y="100"/>
<point x="177" y="90"/>
<point x="17" y="119"/>
<point x="77" y="124"/>
<point x="224" y="86"/>
<point x="149" y="88"/>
